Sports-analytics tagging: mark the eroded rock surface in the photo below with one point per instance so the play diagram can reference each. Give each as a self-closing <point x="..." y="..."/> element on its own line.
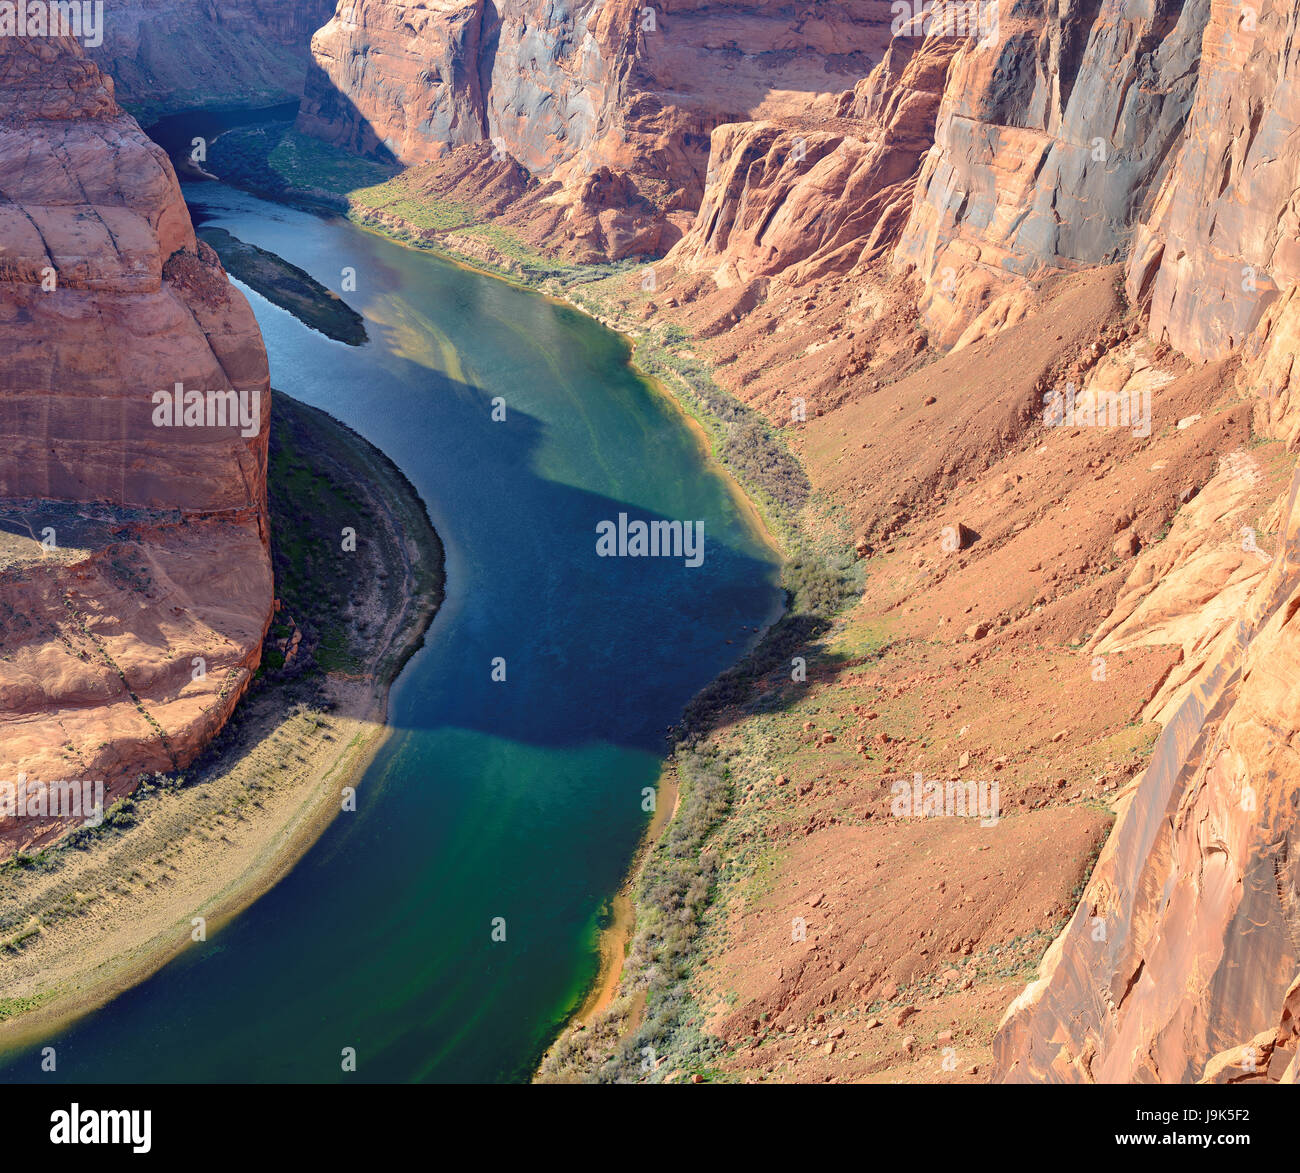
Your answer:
<point x="583" y="92"/>
<point x="135" y="579"/>
<point x="172" y="55"/>
<point x="804" y="204"/>
<point x="1048" y="144"/>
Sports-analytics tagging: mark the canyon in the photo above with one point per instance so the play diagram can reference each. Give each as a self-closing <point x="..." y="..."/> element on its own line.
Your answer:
<point x="980" y="185"/>
<point x="917" y="238"/>
<point x="166" y="56"/>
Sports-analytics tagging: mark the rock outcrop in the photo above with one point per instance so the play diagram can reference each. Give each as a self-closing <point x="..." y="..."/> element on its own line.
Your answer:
<point x="1049" y="144"/>
<point x="1181" y="960"/>
<point x="172" y="55"/>
<point x="805" y="204"/>
<point x="1221" y="244"/>
<point x="135" y="580"/>
<point x="616" y="94"/>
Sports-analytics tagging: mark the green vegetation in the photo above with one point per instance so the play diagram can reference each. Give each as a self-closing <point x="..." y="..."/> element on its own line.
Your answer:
<point x="325" y="479"/>
<point x="671" y="897"/>
<point x="13" y="1007"/>
<point x="289" y="287"/>
<point x="654" y="1026"/>
<point x="275" y="159"/>
<point x="309" y="510"/>
<point x="396" y="198"/>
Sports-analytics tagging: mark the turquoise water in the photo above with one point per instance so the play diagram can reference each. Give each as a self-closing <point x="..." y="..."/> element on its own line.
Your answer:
<point x="521" y="799"/>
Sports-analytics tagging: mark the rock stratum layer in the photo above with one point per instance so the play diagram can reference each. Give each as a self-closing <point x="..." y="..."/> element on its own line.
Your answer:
<point x="172" y="55"/>
<point x="135" y="579"/>
<point x="1181" y="962"/>
<point x="787" y="166"/>
<point x="597" y="99"/>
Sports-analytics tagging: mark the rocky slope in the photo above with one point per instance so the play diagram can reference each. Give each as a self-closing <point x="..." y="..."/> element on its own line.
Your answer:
<point x="172" y="55"/>
<point x="917" y="240"/>
<point x="135" y="581"/>
<point x="589" y="97"/>
<point x="806" y="204"/>
<point x="1033" y="166"/>
<point x="1200" y="875"/>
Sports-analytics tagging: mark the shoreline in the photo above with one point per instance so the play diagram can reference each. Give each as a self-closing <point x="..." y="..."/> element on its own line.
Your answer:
<point x="67" y="969"/>
<point x="748" y="504"/>
<point x="615" y="939"/>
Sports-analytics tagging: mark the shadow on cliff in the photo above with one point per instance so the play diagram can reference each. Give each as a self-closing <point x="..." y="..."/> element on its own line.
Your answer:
<point x="325" y="108"/>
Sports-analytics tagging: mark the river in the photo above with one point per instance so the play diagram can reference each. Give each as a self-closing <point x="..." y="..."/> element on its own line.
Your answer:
<point x="519" y="799"/>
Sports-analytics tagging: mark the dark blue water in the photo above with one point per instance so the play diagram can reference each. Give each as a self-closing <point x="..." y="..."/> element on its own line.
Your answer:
<point x="520" y="800"/>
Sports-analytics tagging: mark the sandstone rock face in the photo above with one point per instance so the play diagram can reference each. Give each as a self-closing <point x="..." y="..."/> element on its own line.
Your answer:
<point x="155" y="547"/>
<point x="1181" y="959"/>
<point x="108" y="300"/>
<point x="396" y="79"/>
<point x="572" y="88"/>
<point x="805" y="204"/>
<point x="1048" y="145"/>
<point x="170" y="55"/>
<point x="1222" y="242"/>
<point x="1190" y="589"/>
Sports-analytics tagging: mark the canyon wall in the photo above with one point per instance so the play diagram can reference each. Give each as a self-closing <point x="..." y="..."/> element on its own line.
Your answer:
<point x="172" y="55"/>
<point x="135" y="579"/>
<point x="1221" y="245"/>
<point x="1158" y="137"/>
<point x="581" y="89"/>
<point x="823" y="187"/>
<point x="1048" y="146"/>
<point x="1182" y="961"/>
<point x="803" y="204"/>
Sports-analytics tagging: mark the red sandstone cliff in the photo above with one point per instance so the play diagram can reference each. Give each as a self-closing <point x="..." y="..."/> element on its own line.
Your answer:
<point x="584" y="91"/>
<point x="130" y="552"/>
<point x="172" y="55"/>
<point x="1182" y="961"/>
<point x="800" y="162"/>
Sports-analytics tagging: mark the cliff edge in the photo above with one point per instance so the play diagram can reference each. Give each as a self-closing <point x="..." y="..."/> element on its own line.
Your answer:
<point x="135" y="574"/>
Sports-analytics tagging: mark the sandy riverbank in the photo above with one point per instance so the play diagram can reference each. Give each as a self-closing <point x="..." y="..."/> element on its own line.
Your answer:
<point x="78" y="926"/>
<point x="755" y="500"/>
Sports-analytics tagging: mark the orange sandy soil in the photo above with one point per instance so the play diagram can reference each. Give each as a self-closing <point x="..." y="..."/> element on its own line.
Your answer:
<point x="921" y="931"/>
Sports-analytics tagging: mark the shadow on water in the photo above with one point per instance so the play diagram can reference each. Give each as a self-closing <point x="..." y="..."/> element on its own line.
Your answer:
<point x="520" y="800"/>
